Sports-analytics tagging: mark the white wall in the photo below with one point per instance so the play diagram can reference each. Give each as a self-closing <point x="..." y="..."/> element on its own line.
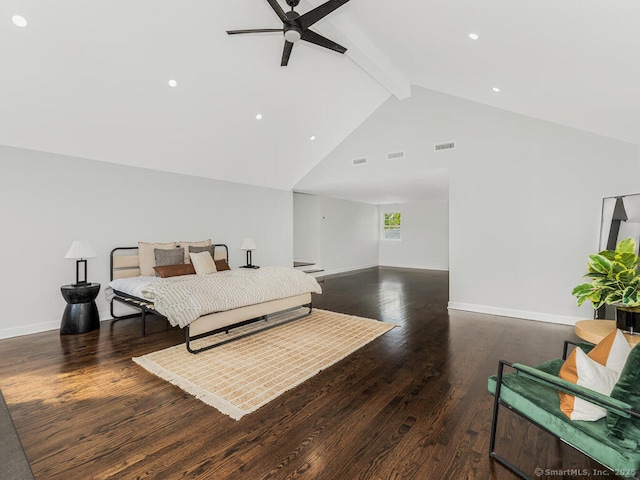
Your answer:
<point x="425" y="236"/>
<point x="306" y="228"/>
<point x="349" y="238"/>
<point x="525" y="196"/>
<point x="50" y="200"/>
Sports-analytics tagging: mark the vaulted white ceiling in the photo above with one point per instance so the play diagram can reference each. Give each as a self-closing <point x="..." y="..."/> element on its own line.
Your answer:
<point x="89" y="79"/>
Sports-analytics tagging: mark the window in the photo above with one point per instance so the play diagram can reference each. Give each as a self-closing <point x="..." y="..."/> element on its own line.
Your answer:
<point x="391" y="226"/>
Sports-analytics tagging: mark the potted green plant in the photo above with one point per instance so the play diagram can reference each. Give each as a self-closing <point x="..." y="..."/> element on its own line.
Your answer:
<point x="615" y="280"/>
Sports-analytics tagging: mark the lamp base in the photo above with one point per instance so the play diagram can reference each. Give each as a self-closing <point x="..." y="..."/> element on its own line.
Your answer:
<point x="250" y="266"/>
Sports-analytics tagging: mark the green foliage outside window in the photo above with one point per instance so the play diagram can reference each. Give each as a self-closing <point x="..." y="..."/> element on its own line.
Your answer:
<point x="391" y="226"/>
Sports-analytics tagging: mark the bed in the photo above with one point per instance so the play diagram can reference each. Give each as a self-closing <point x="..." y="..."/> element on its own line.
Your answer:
<point x="218" y="303"/>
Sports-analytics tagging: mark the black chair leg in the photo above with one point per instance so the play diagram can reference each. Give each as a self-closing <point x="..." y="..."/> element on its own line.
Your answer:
<point x="494" y="426"/>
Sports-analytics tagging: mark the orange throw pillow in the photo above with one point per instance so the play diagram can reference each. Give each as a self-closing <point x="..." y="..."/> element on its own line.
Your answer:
<point x="612" y="353"/>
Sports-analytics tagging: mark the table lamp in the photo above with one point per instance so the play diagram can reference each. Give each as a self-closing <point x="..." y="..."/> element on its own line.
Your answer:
<point x="80" y="250"/>
<point x="249" y="245"/>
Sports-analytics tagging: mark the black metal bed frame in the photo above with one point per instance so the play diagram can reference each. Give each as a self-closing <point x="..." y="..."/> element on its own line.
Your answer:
<point x="146" y="307"/>
<point x="128" y="299"/>
<point x="498" y="401"/>
<point x="189" y="338"/>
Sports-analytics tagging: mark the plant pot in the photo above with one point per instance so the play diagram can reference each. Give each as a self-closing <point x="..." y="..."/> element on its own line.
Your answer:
<point x="628" y="320"/>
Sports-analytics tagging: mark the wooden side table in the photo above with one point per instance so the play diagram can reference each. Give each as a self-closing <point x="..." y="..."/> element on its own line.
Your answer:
<point x="595" y="330"/>
<point x="81" y="314"/>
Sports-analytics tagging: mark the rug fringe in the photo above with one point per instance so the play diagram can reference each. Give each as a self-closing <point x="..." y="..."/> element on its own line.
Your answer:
<point x="203" y="395"/>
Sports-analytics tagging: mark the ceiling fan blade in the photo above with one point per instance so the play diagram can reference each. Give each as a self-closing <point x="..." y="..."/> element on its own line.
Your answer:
<point x="319" y="13"/>
<point x="313" y="37"/>
<point x="286" y="53"/>
<point x="255" y="30"/>
<point x="278" y="9"/>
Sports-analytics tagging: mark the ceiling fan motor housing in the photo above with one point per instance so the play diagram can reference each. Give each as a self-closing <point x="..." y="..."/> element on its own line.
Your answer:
<point x="293" y="3"/>
<point x="292" y="32"/>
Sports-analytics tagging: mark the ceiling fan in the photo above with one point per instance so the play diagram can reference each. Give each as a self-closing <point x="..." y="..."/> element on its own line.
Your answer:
<point x="296" y="26"/>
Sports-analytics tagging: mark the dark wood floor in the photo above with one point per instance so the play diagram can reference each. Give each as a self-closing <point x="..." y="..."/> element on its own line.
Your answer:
<point x="411" y="405"/>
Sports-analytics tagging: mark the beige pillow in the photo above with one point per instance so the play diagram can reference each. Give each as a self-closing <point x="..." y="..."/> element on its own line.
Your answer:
<point x="146" y="255"/>
<point x="203" y="263"/>
<point x="185" y="245"/>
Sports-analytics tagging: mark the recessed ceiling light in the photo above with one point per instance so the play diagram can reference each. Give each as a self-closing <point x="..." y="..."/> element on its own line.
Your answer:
<point x="19" y="21"/>
<point x="172" y="83"/>
<point x="259" y="116"/>
<point x="496" y="89"/>
<point x="474" y="36"/>
<point x="312" y="138"/>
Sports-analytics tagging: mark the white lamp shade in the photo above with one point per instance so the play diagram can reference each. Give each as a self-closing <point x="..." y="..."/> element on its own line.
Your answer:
<point x="248" y="244"/>
<point x="80" y="249"/>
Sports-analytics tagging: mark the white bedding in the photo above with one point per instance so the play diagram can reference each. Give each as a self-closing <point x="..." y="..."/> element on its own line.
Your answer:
<point x="185" y="298"/>
<point x="131" y="286"/>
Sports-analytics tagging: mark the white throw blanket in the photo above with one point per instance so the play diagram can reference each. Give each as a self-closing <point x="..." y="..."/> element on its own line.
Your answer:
<point x="185" y="298"/>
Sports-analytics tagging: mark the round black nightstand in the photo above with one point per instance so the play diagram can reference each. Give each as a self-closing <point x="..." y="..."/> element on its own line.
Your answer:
<point x="81" y="313"/>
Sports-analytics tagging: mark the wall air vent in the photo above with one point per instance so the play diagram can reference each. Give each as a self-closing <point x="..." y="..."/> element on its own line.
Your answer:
<point x="395" y="155"/>
<point x="359" y="161"/>
<point x="445" y="146"/>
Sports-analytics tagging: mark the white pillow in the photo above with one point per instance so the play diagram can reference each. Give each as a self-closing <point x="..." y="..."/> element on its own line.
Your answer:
<point x="596" y="377"/>
<point x="147" y="258"/>
<point x="203" y="263"/>
<point x="618" y="353"/>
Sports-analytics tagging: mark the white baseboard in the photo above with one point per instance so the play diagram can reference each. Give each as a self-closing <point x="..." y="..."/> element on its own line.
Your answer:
<point x="41" y="327"/>
<point x="522" y="314"/>
<point x="418" y="267"/>
<point x="29" y="329"/>
<point x="344" y="270"/>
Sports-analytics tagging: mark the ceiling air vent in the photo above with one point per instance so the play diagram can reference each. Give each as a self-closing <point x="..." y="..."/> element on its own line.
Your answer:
<point x="395" y="155"/>
<point x="359" y="161"/>
<point x="445" y="146"/>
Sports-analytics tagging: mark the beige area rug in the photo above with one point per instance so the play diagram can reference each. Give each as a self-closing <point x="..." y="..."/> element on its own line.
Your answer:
<point x="241" y="376"/>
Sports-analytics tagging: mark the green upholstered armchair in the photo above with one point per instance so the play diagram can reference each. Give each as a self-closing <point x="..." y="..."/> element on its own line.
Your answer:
<point x="532" y="393"/>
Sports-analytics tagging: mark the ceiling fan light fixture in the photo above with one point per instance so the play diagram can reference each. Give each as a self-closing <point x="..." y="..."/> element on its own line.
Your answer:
<point x="292" y="35"/>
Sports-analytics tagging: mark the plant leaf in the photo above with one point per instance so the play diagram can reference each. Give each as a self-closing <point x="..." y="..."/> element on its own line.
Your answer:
<point x="626" y="276"/>
<point x="628" y="245"/>
<point x="599" y="264"/>
<point x="616" y="269"/>
<point x="629" y="296"/>
<point x="584" y="289"/>
<point x="629" y="260"/>
<point x="613" y="297"/>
